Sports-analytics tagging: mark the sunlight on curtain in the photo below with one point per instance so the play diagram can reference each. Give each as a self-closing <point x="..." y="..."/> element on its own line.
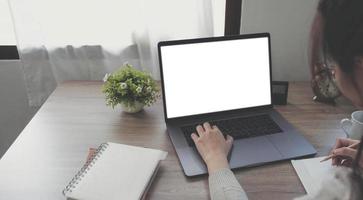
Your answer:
<point x="84" y="22"/>
<point x="63" y="40"/>
<point x="7" y="36"/>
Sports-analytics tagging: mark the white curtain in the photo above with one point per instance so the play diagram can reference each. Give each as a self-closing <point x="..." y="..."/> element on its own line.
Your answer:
<point x="63" y="40"/>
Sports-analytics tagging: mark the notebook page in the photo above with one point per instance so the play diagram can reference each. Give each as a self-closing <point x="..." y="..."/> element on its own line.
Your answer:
<point x="121" y="172"/>
<point x="312" y="172"/>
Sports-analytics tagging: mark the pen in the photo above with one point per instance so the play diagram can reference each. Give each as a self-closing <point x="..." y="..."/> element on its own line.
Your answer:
<point x="331" y="155"/>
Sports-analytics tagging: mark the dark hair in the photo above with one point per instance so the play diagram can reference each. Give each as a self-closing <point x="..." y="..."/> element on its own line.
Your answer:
<point x="342" y="31"/>
<point x="342" y="41"/>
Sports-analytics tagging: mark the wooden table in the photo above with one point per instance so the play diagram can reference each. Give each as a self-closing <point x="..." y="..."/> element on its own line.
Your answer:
<point x="54" y="145"/>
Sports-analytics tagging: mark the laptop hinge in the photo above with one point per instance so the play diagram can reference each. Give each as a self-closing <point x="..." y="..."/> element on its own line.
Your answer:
<point x="216" y="115"/>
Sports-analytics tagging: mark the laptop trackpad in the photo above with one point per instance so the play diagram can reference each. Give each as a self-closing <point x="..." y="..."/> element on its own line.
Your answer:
<point x="253" y="151"/>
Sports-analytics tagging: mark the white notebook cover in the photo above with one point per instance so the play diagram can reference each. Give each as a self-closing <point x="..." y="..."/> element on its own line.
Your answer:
<point x="117" y="172"/>
<point x="312" y="172"/>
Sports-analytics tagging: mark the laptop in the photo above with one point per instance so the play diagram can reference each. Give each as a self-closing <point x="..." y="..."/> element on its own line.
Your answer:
<point x="225" y="81"/>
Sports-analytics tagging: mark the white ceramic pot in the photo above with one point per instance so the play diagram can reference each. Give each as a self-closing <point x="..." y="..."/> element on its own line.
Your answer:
<point x="132" y="108"/>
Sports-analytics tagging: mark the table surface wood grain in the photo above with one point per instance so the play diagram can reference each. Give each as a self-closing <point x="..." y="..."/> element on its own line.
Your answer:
<point x="54" y="145"/>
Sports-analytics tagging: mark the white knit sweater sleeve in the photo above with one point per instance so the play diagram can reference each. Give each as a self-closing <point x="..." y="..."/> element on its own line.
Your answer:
<point x="223" y="185"/>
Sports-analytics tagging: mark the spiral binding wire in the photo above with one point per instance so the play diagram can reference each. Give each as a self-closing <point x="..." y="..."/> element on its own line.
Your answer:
<point x="84" y="170"/>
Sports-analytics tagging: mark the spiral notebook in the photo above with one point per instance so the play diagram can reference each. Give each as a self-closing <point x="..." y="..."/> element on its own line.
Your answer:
<point x="116" y="171"/>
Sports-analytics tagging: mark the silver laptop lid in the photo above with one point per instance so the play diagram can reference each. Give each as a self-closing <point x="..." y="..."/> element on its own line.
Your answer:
<point x="209" y="75"/>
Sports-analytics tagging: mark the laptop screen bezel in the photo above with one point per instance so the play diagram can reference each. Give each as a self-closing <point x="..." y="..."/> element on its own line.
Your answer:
<point x="213" y="39"/>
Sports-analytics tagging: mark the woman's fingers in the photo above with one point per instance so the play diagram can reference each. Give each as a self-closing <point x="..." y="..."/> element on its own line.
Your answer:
<point x="341" y="150"/>
<point x="342" y="161"/>
<point x="336" y="161"/>
<point x="347" y="163"/>
<point x="200" y="130"/>
<point x="343" y="142"/>
<point x="207" y="126"/>
<point x="229" y="140"/>
<point x="195" y="137"/>
<point x="218" y="131"/>
<point x="345" y="152"/>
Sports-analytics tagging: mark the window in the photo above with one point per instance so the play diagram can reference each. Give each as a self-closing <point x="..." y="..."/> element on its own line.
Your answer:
<point x="8" y="50"/>
<point x="110" y="23"/>
<point x="7" y="36"/>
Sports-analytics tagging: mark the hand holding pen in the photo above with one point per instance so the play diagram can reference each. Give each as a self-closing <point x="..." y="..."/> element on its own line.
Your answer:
<point x="344" y="152"/>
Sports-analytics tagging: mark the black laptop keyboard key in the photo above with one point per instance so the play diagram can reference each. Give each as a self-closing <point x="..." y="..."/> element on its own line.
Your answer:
<point x="243" y="127"/>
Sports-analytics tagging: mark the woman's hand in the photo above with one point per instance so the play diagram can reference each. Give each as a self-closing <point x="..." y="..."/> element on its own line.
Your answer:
<point x="212" y="146"/>
<point x="343" y="155"/>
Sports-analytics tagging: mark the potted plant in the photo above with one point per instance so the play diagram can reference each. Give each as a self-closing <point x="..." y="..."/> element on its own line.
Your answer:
<point x="131" y="88"/>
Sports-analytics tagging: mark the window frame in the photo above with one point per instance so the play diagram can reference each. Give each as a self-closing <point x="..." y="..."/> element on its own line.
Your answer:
<point x="233" y="17"/>
<point x="9" y="52"/>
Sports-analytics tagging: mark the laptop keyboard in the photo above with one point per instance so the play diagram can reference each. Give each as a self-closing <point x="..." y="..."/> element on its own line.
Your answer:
<point x="244" y="127"/>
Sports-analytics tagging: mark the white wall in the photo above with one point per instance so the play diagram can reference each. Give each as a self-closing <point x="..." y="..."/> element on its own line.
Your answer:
<point x="14" y="110"/>
<point x="288" y="21"/>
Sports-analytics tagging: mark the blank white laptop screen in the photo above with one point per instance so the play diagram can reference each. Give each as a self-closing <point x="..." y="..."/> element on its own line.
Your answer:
<point x="209" y="77"/>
